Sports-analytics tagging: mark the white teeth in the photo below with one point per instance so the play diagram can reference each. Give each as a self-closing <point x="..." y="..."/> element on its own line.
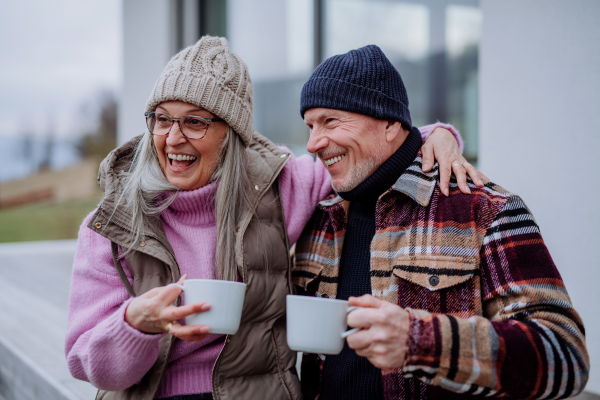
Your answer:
<point x="180" y="157"/>
<point x="333" y="160"/>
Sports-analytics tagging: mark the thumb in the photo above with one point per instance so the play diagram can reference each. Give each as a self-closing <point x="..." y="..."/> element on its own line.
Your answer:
<point x="365" y="300"/>
<point x="182" y="279"/>
<point x="169" y="293"/>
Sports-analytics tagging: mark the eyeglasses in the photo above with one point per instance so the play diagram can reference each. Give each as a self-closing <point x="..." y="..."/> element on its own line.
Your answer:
<point x="191" y="126"/>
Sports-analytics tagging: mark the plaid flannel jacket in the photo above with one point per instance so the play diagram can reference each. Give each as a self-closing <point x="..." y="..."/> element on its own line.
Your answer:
<point x="489" y="312"/>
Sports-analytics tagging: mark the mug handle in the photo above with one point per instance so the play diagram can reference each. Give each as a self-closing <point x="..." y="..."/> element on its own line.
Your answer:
<point x="178" y="285"/>
<point x="351" y="331"/>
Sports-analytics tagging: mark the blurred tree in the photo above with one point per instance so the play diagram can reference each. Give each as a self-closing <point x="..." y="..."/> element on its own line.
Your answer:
<point x="48" y="147"/>
<point x="102" y="138"/>
<point x="27" y="151"/>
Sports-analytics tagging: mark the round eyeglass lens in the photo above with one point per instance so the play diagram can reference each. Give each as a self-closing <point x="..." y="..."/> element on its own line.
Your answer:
<point x="158" y="123"/>
<point x="193" y="127"/>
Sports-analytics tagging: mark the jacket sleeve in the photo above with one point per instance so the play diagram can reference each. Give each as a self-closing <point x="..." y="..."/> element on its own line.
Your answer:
<point x="529" y="342"/>
<point x="304" y="182"/>
<point x="100" y="346"/>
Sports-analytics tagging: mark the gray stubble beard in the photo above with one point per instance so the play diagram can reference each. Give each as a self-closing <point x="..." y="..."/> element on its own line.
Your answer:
<point x="358" y="173"/>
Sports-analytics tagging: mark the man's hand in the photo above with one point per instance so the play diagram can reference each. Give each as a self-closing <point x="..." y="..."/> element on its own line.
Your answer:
<point x="384" y="335"/>
<point x="441" y="146"/>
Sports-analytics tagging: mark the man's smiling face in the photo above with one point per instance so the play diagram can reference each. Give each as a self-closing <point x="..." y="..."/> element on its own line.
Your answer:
<point x="351" y="146"/>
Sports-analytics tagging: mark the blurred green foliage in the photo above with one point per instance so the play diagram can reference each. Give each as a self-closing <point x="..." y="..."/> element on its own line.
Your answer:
<point x="45" y="221"/>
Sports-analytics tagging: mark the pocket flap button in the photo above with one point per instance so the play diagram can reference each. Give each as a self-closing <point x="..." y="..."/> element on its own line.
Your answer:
<point x="434" y="280"/>
<point x="98" y="225"/>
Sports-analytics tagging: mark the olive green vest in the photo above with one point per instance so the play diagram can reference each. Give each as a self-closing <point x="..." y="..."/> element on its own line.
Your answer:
<point x="256" y="362"/>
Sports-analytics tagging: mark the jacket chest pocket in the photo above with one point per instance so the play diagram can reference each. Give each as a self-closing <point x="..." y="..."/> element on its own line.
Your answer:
<point x="435" y="272"/>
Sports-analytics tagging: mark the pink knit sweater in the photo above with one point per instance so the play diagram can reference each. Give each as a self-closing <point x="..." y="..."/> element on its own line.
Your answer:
<point x="105" y="350"/>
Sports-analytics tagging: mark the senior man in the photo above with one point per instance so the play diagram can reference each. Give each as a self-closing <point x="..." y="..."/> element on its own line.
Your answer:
<point x="460" y="295"/>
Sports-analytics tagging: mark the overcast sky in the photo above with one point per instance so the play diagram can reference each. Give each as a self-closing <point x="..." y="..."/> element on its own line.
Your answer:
<point x="54" y="57"/>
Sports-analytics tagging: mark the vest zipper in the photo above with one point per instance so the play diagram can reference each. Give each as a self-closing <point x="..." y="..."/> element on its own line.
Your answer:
<point x="214" y="371"/>
<point x="280" y="369"/>
<point x="214" y="374"/>
<point x="267" y="187"/>
<point x="287" y="246"/>
<point x="290" y="290"/>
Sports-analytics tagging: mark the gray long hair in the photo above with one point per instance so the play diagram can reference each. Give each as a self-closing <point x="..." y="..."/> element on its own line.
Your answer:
<point x="147" y="193"/>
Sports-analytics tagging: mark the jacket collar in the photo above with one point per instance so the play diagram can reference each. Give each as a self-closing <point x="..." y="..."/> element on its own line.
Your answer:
<point x="416" y="184"/>
<point x="413" y="182"/>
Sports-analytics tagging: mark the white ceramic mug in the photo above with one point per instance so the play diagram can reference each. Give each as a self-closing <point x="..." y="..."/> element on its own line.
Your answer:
<point x="316" y="324"/>
<point x="226" y="299"/>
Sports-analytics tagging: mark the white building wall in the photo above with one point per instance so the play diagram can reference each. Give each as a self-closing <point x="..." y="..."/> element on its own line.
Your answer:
<point x="256" y="31"/>
<point x="147" y="47"/>
<point x="539" y="132"/>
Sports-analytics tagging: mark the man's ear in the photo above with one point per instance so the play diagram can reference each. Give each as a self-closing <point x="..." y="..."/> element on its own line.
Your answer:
<point x="394" y="129"/>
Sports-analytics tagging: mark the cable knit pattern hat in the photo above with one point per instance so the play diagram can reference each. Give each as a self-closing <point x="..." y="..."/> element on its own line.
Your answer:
<point x="208" y="75"/>
<point x="363" y="81"/>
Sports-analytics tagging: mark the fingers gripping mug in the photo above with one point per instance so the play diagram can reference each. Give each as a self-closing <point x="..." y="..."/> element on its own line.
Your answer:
<point x="316" y="324"/>
<point x="226" y="299"/>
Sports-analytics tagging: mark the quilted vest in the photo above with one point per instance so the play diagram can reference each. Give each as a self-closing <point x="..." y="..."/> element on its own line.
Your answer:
<point x="256" y="362"/>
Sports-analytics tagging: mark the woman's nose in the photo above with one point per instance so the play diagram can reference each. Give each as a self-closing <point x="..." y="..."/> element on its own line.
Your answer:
<point x="175" y="137"/>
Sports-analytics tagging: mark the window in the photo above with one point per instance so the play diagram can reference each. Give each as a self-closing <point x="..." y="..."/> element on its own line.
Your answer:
<point x="433" y="43"/>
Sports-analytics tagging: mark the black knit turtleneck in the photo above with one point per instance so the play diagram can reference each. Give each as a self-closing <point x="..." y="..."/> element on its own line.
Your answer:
<point x="347" y="376"/>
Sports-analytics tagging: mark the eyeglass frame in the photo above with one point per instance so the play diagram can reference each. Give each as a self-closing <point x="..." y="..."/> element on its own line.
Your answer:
<point x="208" y="121"/>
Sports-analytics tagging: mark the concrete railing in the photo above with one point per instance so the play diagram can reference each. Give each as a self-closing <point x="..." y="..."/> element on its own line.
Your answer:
<point x="21" y="378"/>
<point x="34" y="289"/>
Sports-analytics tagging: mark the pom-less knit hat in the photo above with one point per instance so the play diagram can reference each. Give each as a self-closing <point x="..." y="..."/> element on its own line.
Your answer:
<point x="208" y="75"/>
<point x="363" y="81"/>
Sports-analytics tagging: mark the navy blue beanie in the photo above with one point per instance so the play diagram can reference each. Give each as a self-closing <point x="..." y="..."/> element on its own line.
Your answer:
<point x="363" y="81"/>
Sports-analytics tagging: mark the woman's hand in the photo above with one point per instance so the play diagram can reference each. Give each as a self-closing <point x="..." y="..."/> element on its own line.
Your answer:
<point x="152" y="312"/>
<point x="441" y="146"/>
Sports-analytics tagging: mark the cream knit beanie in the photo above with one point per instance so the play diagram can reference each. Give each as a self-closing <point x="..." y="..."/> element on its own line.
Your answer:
<point x="208" y="75"/>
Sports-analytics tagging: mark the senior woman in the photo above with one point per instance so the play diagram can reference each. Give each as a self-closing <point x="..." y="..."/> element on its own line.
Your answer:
<point x="201" y="195"/>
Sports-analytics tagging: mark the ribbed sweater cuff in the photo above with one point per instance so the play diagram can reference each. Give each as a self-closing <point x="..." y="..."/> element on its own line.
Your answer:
<point x="427" y="130"/>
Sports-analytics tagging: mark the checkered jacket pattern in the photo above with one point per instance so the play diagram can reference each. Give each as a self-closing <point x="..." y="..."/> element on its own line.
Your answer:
<point x="489" y="312"/>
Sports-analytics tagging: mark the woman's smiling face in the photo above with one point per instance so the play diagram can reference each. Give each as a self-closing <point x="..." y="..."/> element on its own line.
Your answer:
<point x="200" y="156"/>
